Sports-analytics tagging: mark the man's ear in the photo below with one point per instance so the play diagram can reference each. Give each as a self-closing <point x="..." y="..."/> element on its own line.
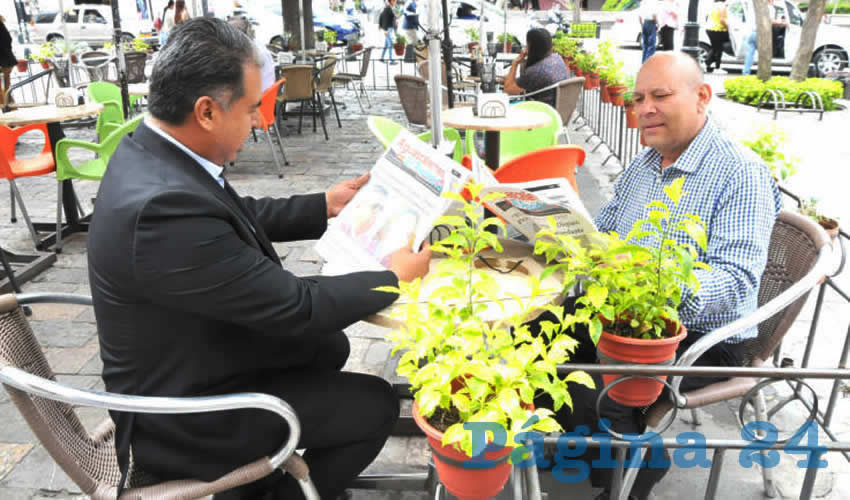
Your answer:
<point x="206" y="110"/>
<point x="703" y="97"/>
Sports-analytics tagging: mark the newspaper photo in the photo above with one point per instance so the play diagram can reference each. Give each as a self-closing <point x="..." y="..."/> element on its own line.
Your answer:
<point x="527" y="207"/>
<point x="396" y="208"/>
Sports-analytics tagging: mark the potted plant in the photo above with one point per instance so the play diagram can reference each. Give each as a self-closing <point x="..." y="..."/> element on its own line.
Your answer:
<point x="632" y="291"/>
<point x="140" y="45"/>
<point x="354" y="44"/>
<point x="330" y="38"/>
<point x="505" y="40"/>
<point x="769" y="144"/>
<point x="472" y="36"/>
<point x="46" y="51"/>
<point x="400" y="43"/>
<point x="629" y="103"/>
<point x="586" y="62"/>
<point x="809" y="208"/>
<point x="463" y="369"/>
<point x="23" y="64"/>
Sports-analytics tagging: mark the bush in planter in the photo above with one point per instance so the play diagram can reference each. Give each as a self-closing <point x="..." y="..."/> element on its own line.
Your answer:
<point x="809" y="208"/>
<point x="505" y="38"/>
<point x="632" y="291"/>
<point x="768" y="143"/>
<point x="400" y="43"/>
<point x="748" y="89"/>
<point x="46" y="51"/>
<point x="330" y="37"/>
<point x="565" y="46"/>
<point x="462" y="369"/>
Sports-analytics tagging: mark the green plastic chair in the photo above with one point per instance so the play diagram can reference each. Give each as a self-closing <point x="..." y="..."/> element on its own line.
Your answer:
<point x="112" y="116"/>
<point x="519" y="142"/>
<point x="386" y="130"/>
<point x="91" y="170"/>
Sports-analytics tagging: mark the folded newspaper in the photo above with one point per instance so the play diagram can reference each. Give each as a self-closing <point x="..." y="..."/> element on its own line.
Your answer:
<point x="398" y="207"/>
<point x="404" y="197"/>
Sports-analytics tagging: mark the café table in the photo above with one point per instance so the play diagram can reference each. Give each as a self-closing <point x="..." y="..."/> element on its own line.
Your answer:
<point x="514" y="119"/>
<point x="138" y="89"/>
<point x="53" y="116"/>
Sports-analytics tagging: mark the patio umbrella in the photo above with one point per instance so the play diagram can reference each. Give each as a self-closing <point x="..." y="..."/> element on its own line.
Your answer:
<point x="122" y="66"/>
<point x="301" y="22"/>
<point x="64" y="26"/>
<point x="434" y="73"/>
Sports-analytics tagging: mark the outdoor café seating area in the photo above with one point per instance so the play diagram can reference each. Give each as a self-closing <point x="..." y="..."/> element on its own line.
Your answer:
<point x="328" y="118"/>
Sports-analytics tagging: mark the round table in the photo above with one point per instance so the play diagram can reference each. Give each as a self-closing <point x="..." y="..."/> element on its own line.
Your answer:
<point x="518" y="256"/>
<point x="53" y="115"/>
<point x="138" y="89"/>
<point x="514" y="119"/>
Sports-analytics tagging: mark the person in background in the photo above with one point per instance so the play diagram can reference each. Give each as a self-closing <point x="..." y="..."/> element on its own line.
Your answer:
<point x="752" y="39"/>
<point x="267" y="70"/>
<point x="348" y="7"/>
<point x="7" y="60"/>
<point x="387" y="23"/>
<point x="167" y="22"/>
<point x="542" y="68"/>
<point x="648" y="16"/>
<point x="668" y="19"/>
<point x="718" y="33"/>
<point x="411" y="22"/>
<point x="181" y="13"/>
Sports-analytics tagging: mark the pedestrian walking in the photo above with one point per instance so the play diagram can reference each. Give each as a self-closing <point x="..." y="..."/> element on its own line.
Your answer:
<point x="648" y="16"/>
<point x="668" y="19"/>
<point x="387" y="23"/>
<point x="718" y="33"/>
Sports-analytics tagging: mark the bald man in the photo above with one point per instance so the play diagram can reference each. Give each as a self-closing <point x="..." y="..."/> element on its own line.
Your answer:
<point x="729" y="188"/>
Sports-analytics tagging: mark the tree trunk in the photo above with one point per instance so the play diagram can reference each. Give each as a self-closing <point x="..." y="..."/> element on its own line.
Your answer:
<point x="292" y="24"/>
<point x="764" y="39"/>
<point x="800" y="66"/>
<point x="576" y="11"/>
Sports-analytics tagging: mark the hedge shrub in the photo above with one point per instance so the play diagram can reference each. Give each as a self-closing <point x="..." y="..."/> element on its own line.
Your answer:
<point x="747" y="89"/>
<point x="614" y="5"/>
<point x="843" y="7"/>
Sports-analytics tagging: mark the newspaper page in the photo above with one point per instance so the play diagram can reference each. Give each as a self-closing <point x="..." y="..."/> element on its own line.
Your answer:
<point x="397" y="207"/>
<point x="527" y="207"/>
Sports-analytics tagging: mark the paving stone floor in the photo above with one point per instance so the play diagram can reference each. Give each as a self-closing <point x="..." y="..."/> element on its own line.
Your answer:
<point x="68" y="335"/>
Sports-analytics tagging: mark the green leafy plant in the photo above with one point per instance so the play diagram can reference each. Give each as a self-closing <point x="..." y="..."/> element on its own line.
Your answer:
<point x="472" y="34"/>
<point x="586" y="61"/>
<point x="635" y="285"/>
<point x="610" y="64"/>
<point x="464" y="369"/>
<point x="768" y="143"/>
<point x="503" y="38"/>
<point x="565" y="45"/>
<point x="809" y="208"/>
<point x="400" y="40"/>
<point x="748" y="89"/>
<point x="46" y="51"/>
<point x="330" y="37"/>
<point x="140" y="45"/>
<point x="629" y="94"/>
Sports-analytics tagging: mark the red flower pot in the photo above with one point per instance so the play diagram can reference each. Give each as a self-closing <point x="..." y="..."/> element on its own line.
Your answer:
<point x="603" y="91"/>
<point x="399" y="49"/>
<point x="23" y="64"/>
<point x="631" y="115"/>
<point x="613" y="349"/>
<point x="578" y="72"/>
<point x="508" y="48"/>
<point x="74" y="58"/>
<point x="615" y="94"/>
<point x="471" y="46"/>
<point x="831" y="227"/>
<point x="465" y="483"/>
<point x="45" y="64"/>
<point x="356" y="47"/>
<point x="592" y="79"/>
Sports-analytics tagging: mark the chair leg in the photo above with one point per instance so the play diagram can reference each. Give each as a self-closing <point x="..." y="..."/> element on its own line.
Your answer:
<point x="333" y="101"/>
<point x="274" y="155"/>
<point x="59" y="218"/>
<point x="695" y="418"/>
<point x="300" y="117"/>
<point x="366" y="94"/>
<point x="357" y="95"/>
<point x="566" y="131"/>
<point x="766" y="472"/>
<point x="315" y="109"/>
<point x="280" y="143"/>
<point x="12" y="219"/>
<point x="322" y="116"/>
<point x="17" y="195"/>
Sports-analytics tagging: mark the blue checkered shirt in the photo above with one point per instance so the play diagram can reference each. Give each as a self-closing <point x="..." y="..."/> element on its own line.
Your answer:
<point x="734" y="194"/>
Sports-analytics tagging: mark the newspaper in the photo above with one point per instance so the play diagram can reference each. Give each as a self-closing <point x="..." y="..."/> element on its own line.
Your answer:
<point x="397" y="207"/>
<point x="528" y="206"/>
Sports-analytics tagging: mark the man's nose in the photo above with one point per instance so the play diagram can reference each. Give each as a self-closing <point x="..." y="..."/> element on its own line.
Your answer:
<point x="255" y="119"/>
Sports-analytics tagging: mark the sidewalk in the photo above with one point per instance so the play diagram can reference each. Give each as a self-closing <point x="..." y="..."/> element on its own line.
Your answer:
<point x="70" y="342"/>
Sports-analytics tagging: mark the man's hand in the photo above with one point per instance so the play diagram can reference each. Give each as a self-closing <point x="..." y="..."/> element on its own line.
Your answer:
<point x="339" y="196"/>
<point x="408" y="265"/>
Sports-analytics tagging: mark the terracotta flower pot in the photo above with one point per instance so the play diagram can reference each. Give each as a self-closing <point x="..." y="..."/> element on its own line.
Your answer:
<point x="45" y="64"/>
<point x="356" y="47"/>
<point x="603" y="92"/>
<point x="594" y="80"/>
<point x="399" y="49"/>
<point x="74" y="58"/>
<point x="23" y="64"/>
<point x="615" y="94"/>
<point x="631" y="115"/>
<point x="471" y="46"/>
<point x="830" y="226"/>
<point x="465" y="483"/>
<point x="613" y="349"/>
<point x="508" y="48"/>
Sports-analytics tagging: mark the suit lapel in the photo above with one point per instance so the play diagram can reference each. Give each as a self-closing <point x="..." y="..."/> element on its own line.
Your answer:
<point x="245" y="226"/>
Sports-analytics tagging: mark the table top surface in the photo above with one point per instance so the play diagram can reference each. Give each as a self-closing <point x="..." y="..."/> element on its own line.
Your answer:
<point x="515" y="253"/>
<point x="138" y="88"/>
<point x="514" y="119"/>
<point x="48" y="114"/>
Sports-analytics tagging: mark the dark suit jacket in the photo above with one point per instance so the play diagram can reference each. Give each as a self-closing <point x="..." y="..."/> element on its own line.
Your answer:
<point x="190" y="296"/>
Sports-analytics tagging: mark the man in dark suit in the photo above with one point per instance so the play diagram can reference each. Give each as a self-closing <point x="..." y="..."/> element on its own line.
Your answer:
<point x="191" y="298"/>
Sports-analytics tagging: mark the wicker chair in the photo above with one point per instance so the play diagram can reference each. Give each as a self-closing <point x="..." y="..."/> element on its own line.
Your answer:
<point x="413" y="94"/>
<point x="136" y="66"/>
<point x="458" y="85"/>
<point x="299" y="88"/>
<point x="357" y="78"/>
<point x="324" y="83"/>
<point x="97" y="64"/>
<point x="90" y="459"/>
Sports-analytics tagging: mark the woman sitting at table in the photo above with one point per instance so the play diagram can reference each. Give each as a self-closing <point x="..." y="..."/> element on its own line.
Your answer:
<point x="542" y="68"/>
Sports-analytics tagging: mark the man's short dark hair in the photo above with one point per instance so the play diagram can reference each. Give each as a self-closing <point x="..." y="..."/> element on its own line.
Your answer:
<point x="204" y="56"/>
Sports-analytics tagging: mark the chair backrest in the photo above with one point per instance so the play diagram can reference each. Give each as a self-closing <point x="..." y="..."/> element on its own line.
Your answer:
<point x="111" y="115"/>
<point x="793" y="251"/>
<point x="519" y="142"/>
<point x="546" y="163"/>
<point x="89" y="460"/>
<point x="364" y="63"/>
<point x="8" y="142"/>
<point x="566" y="97"/>
<point x="451" y="135"/>
<point x="267" y="104"/>
<point x="326" y="74"/>
<point x="299" y="82"/>
<point x="413" y="94"/>
<point x="62" y="71"/>
<point x="97" y="64"/>
<point x="110" y="143"/>
<point x="135" y="66"/>
<point x="384" y="129"/>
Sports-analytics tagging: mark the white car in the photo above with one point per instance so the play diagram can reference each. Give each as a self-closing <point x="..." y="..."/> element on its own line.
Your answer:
<point x="91" y="24"/>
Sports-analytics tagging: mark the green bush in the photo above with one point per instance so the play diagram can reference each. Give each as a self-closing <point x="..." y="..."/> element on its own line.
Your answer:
<point x="614" y="5"/>
<point x="747" y="89"/>
<point x="583" y="30"/>
<point x="843" y="7"/>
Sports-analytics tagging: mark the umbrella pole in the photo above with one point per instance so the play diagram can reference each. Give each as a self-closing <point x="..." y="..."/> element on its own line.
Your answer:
<point x="434" y="73"/>
<point x="447" y="55"/>
<point x="122" y="65"/>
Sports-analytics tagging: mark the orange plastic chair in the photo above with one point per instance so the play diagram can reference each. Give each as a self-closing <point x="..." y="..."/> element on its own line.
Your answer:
<point x="12" y="167"/>
<point x="267" y="121"/>
<point x="546" y="163"/>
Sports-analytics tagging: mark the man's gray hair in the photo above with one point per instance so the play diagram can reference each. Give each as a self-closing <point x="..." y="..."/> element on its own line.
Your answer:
<point x="204" y="56"/>
<point x="243" y="25"/>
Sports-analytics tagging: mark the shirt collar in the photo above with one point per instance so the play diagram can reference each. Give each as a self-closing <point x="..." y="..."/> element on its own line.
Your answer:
<point x="211" y="168"/>
<point x="691" y="158"/>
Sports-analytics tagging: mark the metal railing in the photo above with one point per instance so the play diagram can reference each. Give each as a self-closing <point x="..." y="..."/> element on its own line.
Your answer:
<point x="607" y="124"/>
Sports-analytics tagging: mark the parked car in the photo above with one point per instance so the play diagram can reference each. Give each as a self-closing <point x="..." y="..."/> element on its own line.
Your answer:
<point x="832" y="44"/>
<point x="270" y="25"/>
<point x="89" y="23"/>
